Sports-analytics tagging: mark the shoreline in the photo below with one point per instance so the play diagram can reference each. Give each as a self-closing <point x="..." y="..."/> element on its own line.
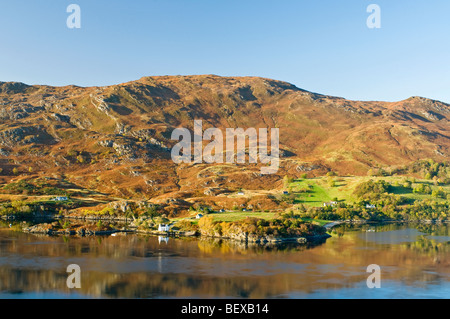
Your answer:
<point x="262" y="240"/>
<point x="44" y="229"/>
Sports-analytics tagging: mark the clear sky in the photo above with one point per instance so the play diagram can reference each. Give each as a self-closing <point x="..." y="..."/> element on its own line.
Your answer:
<point x="322" y="46"/>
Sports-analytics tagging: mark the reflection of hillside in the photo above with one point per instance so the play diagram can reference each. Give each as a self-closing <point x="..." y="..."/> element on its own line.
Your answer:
<point x="139" y="267"/>
<point x="214" y="245"/>
<point x="142" y="285"/>
<point x="429" y="247"/>
<point x="434" y="229"/>
<point x="410" y="258"/>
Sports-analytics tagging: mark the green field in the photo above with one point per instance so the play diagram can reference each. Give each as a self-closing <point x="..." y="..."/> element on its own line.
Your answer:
<point x="320" y="191"/>
<point x="239" y="215"/>
<point x="317" y="194"/>
<point x="234" y="216"/>
<point x="230" y="216"/>
<point x="314" y="192"/>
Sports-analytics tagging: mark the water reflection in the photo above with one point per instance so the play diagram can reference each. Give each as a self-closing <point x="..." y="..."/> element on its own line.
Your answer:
<point x="392" y="236"/>
<point x="163" y="239"/>
<point x="415" y="262"/>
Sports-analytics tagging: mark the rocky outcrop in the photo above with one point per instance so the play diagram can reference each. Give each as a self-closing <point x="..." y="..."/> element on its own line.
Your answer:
<point x="245" y="237"/>
<point x="13" y="87"/>
<point x="49" y="229"/>
<point x="25" y="135"/>
<point x="214" y="191"/>
<point x="123" y="206"/>
<point x="270" y="239"/>
<point x="61" y="118"/>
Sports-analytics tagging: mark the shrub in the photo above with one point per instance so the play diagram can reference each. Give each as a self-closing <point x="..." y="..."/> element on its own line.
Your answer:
<point x="422" y="189"/>
<point x="367" y="189"/>
<point x="187" y="225"/>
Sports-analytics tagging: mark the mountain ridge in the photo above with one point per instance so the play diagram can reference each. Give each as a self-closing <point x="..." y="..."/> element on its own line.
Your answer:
<point x="288" y="84"/>
<point x="116" y="139"/>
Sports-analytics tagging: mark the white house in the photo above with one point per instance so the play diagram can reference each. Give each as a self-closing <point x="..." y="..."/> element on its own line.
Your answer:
<point x="198" y="216"/>
<point x="240" y="193"/>
<point x="370" y="206"/>
<point x="163" y="227"/>
<point x="330" y="204"/>
<point x="60" y="198"/>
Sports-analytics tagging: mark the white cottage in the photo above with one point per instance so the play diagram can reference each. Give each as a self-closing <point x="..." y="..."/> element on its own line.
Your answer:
<point x="330" y="204"/>
<point x="163" y="227"/>
<point x="60" y="198"/>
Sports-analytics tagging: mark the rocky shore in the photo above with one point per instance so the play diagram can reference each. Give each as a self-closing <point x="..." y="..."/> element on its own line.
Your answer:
<point x="53" y="229"/>
<point x="50" y="229"/>
<point x="270" y="239"/>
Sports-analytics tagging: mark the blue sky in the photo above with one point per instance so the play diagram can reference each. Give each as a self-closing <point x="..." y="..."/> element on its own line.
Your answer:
<point x="322" y="46"/>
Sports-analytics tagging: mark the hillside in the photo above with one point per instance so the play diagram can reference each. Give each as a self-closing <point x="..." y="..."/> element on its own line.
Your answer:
<point x="115" y="140"/>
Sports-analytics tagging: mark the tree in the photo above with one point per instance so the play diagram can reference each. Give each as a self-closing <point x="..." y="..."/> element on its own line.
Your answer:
<point x="151" y="212"/>
<point x="80" y="159"/>
<point x="15" y="171"/>
<point x="71" y="153"/>
<point x="439" y="193"/>
<point x="206" y="224"/>
<point x="422" y="189"/>
<point x="290" y="199"/>
<point x="369" y="188"/>
<point x="331" y="182"/>
<point x="435" y="180"/>
<point x="286" y="181"/>
<point x="331" y="173"/>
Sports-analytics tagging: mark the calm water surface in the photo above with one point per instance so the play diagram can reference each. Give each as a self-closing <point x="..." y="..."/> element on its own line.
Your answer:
<point x="414" y="261"/>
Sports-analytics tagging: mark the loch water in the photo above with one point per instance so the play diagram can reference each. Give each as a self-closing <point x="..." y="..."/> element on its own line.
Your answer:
<point x="414" y="262"/>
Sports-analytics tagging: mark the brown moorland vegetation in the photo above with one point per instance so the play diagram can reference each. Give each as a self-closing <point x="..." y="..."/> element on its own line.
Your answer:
<point x="115" y="140"/>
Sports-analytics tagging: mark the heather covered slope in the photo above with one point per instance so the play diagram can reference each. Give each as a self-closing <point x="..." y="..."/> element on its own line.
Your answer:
<point x="116" y="139"/>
